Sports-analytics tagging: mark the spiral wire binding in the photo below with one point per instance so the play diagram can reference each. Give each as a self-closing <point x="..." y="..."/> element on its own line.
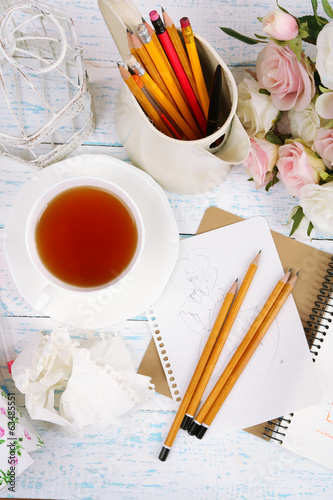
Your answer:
<point x="316" y="330"/>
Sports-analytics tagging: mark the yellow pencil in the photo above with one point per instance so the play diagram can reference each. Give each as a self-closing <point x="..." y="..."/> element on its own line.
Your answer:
<point x="195" y="63"/>
<point x="167" y="78"/>
<point x="177" y="43"/>
<point x="157" y="43"/>
<point x="143" y="101"/>
<point x="161" y="98"/>
<point x="198" y="372"/>
<point x="242" y="356"/>
<point x="195" y="401"/>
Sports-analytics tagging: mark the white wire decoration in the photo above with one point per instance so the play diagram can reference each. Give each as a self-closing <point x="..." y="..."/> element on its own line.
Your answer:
<point x="46" y="109"/>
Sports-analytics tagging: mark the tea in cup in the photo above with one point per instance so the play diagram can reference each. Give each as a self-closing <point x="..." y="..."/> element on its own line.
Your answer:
<point x="84" y="234"/>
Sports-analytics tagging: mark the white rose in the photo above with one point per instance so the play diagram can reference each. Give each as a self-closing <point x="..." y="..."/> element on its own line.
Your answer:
<point x="324" y="60"/>
<point x="304" y="124"/>
<point x="256" y="111"/>
<point x="317" y="204"/>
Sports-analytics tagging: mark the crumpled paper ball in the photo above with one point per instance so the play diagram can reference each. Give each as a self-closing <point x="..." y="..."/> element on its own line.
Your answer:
<point x="99" y="381"/>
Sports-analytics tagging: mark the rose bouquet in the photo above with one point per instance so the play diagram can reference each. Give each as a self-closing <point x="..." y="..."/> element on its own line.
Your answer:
<point x="286" y="107"/>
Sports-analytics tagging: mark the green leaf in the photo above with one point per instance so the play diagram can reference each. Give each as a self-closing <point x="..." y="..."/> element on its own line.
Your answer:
<point x="303" y="30"/>
<point x="260" y="19"/>
<point x="329" y="124"/>
<point x="273" y="138"/>
<point x="261" y="37"/>
<point x="264" y="91"/>
<point x="239" y="36"/>
<point x="327" y="8"/>
<point x="274" y="180"/>
<point x="296" y="47"/>
<point x="297" y="217"/>
<point x="281" y="8"/>
<point x="326" y="176"/>
<point x="310" y="227"/>
<point x="314" y="6"/>
<point x="315" y="25"/>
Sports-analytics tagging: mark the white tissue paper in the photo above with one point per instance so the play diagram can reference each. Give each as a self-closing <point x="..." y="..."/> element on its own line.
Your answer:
<point x="99" y="381"/>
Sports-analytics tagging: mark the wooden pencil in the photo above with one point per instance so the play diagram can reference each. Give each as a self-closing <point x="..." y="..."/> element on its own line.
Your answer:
<point x="179" y="47"/>
<point x="168" y="76"/>
<point x="195" y="63"/>
<point x="157" y="43"/>
<point x="161" y="98"/>
<point x="228" y="378"/>
<point x="150" y="67"/>
<point x="198" y="371"/>
<point x="131" y="47"/>
<point x="195" y="401"/>
<point x="143" y="101"/>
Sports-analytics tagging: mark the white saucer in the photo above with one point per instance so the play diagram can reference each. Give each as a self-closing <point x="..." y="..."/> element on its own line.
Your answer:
<point x="120" y="301"/>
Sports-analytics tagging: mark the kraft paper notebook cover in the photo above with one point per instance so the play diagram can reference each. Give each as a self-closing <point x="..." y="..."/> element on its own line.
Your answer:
<point x="311" y="262"/>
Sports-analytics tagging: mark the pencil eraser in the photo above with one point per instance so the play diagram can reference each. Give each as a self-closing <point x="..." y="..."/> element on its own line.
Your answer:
<point x="154" y="15"/>
<point x="184" y="22"/>
<point x="164" y="453"/>
<point x="187" y="420"/>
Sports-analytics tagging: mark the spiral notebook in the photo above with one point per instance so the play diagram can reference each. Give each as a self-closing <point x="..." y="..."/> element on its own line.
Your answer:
<point x="316" y="268"/>
<point x="309" y="432"/>
<point x="184" y="314"/>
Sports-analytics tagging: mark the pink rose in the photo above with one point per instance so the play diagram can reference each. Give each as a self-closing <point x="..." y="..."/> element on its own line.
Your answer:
<point x="290" y="82"/>
<point x="2" y="432"/>
<point x="280" y="25"/>
<point x="2" y="411"/>
<point x="261" y="160"/>
<point x="323" y="145"/>
<point x="297" y="166"/>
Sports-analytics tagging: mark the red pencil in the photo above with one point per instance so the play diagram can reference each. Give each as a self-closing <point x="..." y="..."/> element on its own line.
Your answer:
<point x="178" y="68"/>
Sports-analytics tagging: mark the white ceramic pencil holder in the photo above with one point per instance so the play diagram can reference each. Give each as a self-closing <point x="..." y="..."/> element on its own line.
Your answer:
<point x="179" y="166"/>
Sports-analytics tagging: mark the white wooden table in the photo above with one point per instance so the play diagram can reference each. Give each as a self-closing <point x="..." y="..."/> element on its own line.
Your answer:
<point x="123" y="463"/>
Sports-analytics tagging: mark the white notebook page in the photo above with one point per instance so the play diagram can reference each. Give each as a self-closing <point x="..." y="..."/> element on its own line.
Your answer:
<point x="310" y="433"/>
<point x="273" y="382"/>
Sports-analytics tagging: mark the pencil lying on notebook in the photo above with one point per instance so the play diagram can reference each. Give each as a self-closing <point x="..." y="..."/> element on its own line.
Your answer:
<point x="198" y="371"/>
<point x="216" y="341"/>
<point x="200" y="389"/>
<point x="242" y="355"/>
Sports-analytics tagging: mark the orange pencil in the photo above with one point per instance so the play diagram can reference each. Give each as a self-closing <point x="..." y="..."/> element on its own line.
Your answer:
<point x="143" y="101"/>
<point x="242" y="356"/>
<point x="131" y="47"/>
<point x="161" y="98"/>
<point x="157" y="107"/>
<point x="168" y="78"/>
<point x="150" y="67"/>
<point x="198" y="372"/>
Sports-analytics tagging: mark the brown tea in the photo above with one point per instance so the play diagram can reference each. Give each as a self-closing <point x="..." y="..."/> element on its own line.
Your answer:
<point x="86" y="236"/>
